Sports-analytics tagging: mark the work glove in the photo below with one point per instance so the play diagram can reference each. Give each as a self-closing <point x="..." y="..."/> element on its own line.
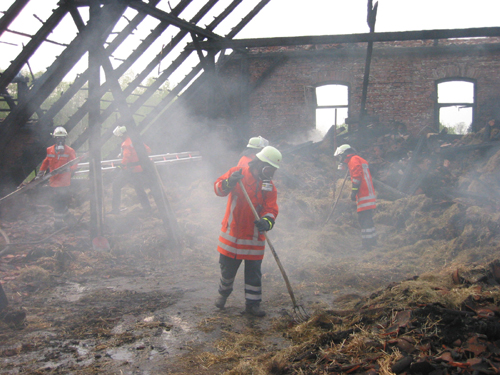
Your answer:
<point x="232" y="181"/>
<point x="354" y="192"/>
<point x="40" y="174"/>
<point x="264" y="224"/>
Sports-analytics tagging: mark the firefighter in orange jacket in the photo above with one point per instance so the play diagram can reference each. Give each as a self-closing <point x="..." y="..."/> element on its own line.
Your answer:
<point x="255" y="144"/>
<point x="362" y="191"/>
<point x="130" y="172"/>
<point x="58" y="155"/>
<point x="242" y="236"/>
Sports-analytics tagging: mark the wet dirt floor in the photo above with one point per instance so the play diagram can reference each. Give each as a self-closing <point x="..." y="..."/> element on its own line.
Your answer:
<point x="145" y="317"/>
<point x="147" y="308"/>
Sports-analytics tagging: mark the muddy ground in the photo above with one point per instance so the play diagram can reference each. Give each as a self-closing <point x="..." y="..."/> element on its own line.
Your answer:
<point x="147" y="308"/>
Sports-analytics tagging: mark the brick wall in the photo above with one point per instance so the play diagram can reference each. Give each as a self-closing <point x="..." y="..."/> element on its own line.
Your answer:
<point x="402" y="81"/>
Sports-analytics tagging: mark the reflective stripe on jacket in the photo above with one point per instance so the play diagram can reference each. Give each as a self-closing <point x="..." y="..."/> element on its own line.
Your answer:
<point x="54" y="160"/>
<point x="360" y="173"/>
<point x="239" y="236"/>
<point x="130" y="155"/>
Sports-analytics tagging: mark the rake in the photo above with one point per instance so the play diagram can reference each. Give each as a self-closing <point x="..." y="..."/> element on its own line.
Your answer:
<point x="299" y="313"/>
<point x="338" y="197"/>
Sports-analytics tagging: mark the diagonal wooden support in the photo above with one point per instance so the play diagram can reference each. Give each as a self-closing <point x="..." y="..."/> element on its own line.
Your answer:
<point x="82" y="78"/>
<point x="142" y="75"/>
<point x="164" y="209"/>
<point x="44" y="85"/>
<point x="16" y="65"/>
<point x="11" y="14"/>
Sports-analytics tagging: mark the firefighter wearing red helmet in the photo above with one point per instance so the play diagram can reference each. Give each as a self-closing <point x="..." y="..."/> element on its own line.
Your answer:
<point x="362" y="191"/>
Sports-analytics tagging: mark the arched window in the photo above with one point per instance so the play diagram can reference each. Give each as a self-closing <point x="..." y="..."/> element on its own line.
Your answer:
<point x="332" y="104"/>
<point x="455" y="105"/>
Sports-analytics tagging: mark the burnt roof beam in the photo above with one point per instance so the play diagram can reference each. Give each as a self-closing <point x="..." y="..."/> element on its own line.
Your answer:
<point x="350" y="38"/>
<point x="158" y="116"/>
<point x="164" y="16"/>
<point x="82" y="78"/>
<point x="11" y="14"/>
<point x="164" y="76"/>
<point x="43" y="86"/>
<point x="15" y="67"/>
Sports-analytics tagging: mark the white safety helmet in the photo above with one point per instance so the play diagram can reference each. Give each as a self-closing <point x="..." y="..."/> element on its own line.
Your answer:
<point x="341" y="149"/>
<point x="60" y="132"/>
<point x="270" y="155"/>
<point x="120" y="131"/>
<point x="257" y="142"/>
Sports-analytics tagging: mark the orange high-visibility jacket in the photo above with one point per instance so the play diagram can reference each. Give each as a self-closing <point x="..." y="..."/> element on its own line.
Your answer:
<point x="54" y="160"/>
<point x="360" y="173"/>
<point x="244" y="160"/>
<point x="239" y="238"/>
<point x="129" y="156"/>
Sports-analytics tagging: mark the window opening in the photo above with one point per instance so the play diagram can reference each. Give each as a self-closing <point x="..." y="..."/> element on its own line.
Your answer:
<point x="455" y="103"/>
<point x="332" y="103"/>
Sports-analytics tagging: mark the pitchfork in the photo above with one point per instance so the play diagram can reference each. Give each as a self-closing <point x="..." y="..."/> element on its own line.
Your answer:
<point x="299" y="313"/>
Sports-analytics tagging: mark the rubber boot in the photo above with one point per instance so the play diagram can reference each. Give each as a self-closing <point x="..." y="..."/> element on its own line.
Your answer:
<point x="220" y="302"/>
<point x="255" y="310"/>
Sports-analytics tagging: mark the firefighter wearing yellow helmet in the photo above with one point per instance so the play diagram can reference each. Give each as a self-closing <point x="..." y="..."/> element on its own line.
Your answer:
<point x="362" y="192"/>
<point x="242" y="237"/>
<point x="255" y="144"/>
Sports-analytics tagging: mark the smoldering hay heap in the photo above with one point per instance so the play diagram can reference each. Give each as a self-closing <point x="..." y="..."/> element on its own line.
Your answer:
<point x="425" y="300"/>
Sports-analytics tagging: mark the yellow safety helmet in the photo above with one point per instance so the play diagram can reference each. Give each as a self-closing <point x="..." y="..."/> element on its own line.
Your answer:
<point x="341" y="149"/>
<point x="120" y="131"/>
<point x="257" y="142"/>
<point x="270" y="155"/>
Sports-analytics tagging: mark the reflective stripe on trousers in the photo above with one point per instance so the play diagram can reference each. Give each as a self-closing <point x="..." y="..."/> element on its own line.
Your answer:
<point x="253" y="278"/>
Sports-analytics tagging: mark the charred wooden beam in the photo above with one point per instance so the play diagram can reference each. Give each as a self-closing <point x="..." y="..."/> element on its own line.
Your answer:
<point x="16" y="65"/>
<point x="245" y="20"/>
<point x="153" y="118"/>
<point x="96" y="202"/>
<point x="82" y="78"/>
<point x="44" y="85"/>
<point x="83" y="109"/>
<point x="167" y="216"/>
<point x="372" y="16"/>
<point x="351" y="38"/>
<point x="167" y="17"/>
<point x="163" y="77"/>
<point x="32" y="36"/>
<point x="11" y="14"/>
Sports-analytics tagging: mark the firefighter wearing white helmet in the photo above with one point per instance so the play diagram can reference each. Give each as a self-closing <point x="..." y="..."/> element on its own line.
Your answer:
<point x="362" y="191"/>
<point x="60" y="132"/>
<point x="58" y="155"/>
<point x="129" y="172"/>
<point x="242" y="237"/>
<point x="120" y="131"/>
<point x="255" y="144"/>
<point x="341" y="149"/>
